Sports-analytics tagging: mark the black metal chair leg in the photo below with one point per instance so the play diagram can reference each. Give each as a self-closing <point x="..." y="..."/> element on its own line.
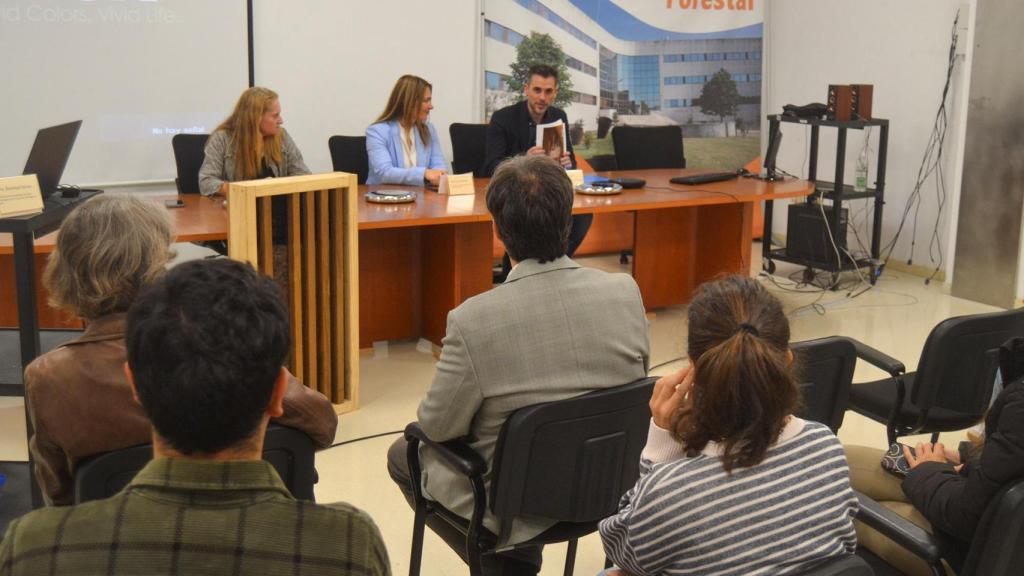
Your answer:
<point x="570" y="558"/>
<point x="418" y="523"/>
<point x="473" y="555"/>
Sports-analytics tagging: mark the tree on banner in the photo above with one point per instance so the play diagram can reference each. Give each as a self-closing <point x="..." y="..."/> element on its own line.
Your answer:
<point x="540" y="48"/>
<point x="719" y="97"/>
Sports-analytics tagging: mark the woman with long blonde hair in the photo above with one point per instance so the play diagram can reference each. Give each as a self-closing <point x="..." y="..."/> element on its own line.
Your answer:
<point x="250" y="144"/>
<point x="402" y="144"/>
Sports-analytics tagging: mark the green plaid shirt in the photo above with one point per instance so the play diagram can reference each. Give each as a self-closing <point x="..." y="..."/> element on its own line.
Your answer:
<point x="187" y="517"/>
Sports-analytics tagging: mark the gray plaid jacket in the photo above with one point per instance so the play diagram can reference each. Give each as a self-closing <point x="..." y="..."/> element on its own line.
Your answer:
<point x="187" y="517"/>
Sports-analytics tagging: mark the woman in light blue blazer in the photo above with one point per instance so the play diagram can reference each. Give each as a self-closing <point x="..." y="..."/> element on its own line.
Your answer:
<point x="402" y="145"/>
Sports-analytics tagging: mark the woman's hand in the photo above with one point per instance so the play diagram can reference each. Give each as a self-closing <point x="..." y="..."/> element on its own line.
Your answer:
<point x="925" y="453"/>
<point x="671" y="401"/>
<point x="433" y="176"/>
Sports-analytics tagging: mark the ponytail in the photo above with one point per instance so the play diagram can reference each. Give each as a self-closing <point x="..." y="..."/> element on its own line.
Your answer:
<point x="744" y="388"/>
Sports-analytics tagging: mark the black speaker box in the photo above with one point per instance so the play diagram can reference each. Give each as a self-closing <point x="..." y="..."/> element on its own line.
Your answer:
<point x="807" y="233"/>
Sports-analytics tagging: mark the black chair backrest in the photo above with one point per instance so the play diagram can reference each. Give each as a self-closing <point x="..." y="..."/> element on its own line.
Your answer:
<point x="469" y="143"/>
<point x="571" y="460"/>
<point x="289" y="451"/>
<point x="603" y="163"/>
<point x="293" y="455"/>
<point x="645" y="147"/>
<point x="188" y="156"/>
<point x="959" y="361"/>
<point x="107" y="474"/>
<point x="998" y="545"/>
<point x="348" y="154"/>
<point x="825" y="369"/>
<point x="604" y="124"/>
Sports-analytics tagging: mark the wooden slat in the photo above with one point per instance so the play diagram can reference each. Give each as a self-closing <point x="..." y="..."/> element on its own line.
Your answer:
<point x="309" y="286"/>
<point x="323" y="289"/>
<point x="241" y="223"/>
<point x="350" y="245"/>
<point x="265" y="236"/>
<point x="297" y="184"/>
<point x="337" y="308"/>
<point x="295" y="284"/>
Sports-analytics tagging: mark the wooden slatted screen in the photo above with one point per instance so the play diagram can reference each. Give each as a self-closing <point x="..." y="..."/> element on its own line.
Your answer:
<point x="317" y="268"/>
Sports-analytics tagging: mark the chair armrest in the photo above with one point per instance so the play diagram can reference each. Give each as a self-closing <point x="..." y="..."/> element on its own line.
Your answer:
<point x="900" y="530"/>
<point x="454" y="452"/>
<point x="878" y="358"/>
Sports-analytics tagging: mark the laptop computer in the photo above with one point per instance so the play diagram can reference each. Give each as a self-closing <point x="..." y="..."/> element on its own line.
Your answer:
<point x="49" y="155"/>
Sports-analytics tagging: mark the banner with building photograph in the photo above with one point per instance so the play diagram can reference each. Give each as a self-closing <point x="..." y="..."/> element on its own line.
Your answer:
<point x="694" y="63"/>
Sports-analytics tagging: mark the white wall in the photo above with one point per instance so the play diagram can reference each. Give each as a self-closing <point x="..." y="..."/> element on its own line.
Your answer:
<point x="901" y="48"/>
<point x="334" y="63"/>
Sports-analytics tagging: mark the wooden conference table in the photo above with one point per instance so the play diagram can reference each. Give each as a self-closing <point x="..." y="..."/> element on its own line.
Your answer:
<point x="418" y="261"/>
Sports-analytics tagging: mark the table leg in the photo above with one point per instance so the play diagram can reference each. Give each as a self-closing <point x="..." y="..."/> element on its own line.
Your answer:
<point x="410" y="278"/>
<point x="677" y="249"/>
<point x="389" y="285"/>
<point x="28" y="329"/>
<point x="456" y="266"/>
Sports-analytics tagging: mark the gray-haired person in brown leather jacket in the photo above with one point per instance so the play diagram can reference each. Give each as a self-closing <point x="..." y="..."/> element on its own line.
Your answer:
<point x="77" y="394"/>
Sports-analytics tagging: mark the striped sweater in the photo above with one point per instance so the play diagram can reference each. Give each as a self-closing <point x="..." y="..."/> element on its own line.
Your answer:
<point x="687" y="516"/>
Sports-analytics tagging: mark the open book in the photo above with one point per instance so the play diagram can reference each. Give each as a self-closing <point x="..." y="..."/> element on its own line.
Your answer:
<point x="551" y="137"/>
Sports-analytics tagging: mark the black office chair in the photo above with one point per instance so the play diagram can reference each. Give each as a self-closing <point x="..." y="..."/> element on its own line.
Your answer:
<point x="469" y="143"/>
<point x="188" y="156"/>
<point x="604" y="124"/>
<point x="289" y="451"/>
<point x="952" y="386"/>
<point x="603" y="163"/>
<point x="568" y="461"/>
<point x="825" y="369"/>
<point x="646" y="147"/>
<point x="348" y="154"/>
<point x="997" y="548"/>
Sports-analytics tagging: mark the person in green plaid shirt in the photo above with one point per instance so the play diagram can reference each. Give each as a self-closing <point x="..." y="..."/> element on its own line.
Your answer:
<point x="206" y="346"/>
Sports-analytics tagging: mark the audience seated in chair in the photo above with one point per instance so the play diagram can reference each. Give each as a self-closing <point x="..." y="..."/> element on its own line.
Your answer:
<point x="78" y="398"/>
<point x="731" y="481"/>
<point x="553" y="330"/>
<point x="947" y="490"/>
<point x="205" y="350"/>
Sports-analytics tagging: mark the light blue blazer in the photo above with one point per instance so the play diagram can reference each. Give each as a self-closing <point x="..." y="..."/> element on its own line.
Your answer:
<point x="387" y="158"/>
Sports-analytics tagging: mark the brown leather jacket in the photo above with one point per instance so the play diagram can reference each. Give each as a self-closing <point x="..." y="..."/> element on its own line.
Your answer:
<point x="80" y="405"/>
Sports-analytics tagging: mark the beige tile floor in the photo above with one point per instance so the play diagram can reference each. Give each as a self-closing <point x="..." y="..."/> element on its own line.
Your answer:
<point x="895" y="317"/>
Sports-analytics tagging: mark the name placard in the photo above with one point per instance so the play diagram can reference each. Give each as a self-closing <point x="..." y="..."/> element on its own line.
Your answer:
<point x="19" y="195"/>
<point x="575" y="176"/>
<point x="456" y="184"/>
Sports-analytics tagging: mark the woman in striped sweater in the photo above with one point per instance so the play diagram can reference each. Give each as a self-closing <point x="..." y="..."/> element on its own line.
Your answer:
<point x="731" y="482"/>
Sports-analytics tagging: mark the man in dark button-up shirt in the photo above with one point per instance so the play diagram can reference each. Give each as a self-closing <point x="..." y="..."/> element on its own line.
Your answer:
<point x="206" y="345"/>
<point x="513" y="131"/>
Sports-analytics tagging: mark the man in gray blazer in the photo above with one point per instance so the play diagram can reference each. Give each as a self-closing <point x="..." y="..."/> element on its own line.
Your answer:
<point x="553" y="330"/>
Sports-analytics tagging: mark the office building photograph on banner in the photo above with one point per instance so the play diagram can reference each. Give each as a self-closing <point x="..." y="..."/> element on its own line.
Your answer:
<point x="689" y="63"/>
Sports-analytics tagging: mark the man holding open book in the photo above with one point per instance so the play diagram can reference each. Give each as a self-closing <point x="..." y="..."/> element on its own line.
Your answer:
<point x="523" y="128"/>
